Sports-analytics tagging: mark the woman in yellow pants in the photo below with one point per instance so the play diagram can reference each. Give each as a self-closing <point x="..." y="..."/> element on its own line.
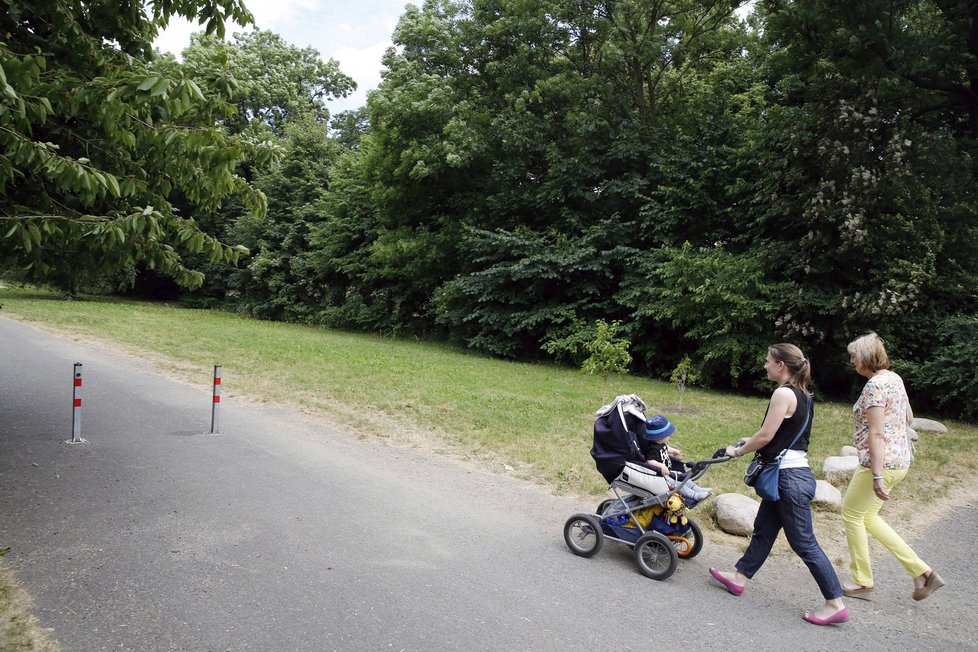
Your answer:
<point x="882" y="415"/>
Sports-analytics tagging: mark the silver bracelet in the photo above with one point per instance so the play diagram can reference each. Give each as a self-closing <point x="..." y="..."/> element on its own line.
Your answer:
<point x="877" y="477"/>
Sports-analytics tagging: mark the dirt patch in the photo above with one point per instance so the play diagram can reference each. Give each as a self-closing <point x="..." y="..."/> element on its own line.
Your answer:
<point x="19" y="630"/>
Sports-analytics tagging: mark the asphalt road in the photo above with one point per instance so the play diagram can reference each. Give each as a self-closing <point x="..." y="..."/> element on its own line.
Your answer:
<point x="283" y="534"/>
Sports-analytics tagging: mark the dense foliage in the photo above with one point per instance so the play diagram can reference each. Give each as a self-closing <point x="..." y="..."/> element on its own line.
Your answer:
<point x="97" y="140"/>
<point x="530" y="167"/>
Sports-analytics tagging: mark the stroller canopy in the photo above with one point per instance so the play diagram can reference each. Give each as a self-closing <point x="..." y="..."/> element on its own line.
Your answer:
<point x="615" y="438"/>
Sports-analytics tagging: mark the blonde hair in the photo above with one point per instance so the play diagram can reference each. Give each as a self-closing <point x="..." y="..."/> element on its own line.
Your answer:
<point x="869" y="352"/>
<point x="796" y="362"/>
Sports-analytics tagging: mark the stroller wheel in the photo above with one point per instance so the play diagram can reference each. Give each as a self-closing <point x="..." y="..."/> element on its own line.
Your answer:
<point x="583" y="535"/>
<point x="656" y="556"/>
<point x="689" y="544"/>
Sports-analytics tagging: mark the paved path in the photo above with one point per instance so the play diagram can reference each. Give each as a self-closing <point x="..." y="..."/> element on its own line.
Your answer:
<point x="283" y="534"/>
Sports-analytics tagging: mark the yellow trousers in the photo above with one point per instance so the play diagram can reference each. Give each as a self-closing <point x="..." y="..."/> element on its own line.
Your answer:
<point x="860" y="514"/>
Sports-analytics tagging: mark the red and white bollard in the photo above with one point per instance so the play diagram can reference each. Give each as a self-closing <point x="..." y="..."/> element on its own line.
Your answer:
<point x="76" y="403"/>
<point x="216" y="404"/>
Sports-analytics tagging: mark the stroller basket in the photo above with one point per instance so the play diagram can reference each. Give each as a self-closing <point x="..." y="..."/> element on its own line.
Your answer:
<point x="621" y="525"/>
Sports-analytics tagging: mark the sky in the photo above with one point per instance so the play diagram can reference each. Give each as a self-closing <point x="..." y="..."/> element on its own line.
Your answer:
<point x="356" y="34"/>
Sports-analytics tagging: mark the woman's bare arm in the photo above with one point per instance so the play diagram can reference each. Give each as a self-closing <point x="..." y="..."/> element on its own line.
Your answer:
<point x="782" y="401"/>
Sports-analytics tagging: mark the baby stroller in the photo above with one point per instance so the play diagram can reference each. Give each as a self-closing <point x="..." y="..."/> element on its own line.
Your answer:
<point x="652" y="518"/>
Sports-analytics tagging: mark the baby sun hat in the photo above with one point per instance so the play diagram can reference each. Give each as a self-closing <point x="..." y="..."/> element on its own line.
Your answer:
<point x="658" y="427"/>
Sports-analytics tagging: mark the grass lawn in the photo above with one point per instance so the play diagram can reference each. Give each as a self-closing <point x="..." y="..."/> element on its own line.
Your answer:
<point x="530" y="420"/>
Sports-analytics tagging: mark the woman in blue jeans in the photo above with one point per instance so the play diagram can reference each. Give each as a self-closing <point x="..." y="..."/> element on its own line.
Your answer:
<point x="786" y="365"/>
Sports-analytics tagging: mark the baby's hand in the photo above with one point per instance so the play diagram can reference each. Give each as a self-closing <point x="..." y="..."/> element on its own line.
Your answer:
<point x="674" y="452"/>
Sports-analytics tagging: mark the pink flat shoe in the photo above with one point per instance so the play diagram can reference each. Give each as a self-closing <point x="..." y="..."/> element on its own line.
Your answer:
<point x="840" y="616"/>
<point x="735" y="589"/>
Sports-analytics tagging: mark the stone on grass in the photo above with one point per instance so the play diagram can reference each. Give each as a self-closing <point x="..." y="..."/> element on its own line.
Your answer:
<point x="928" y="425"/>
<point x="736" y="513"/>
<point x="848" y="451"/>
<point x="826" y="494"/>
<point x="912" y="434"/>
<point x="839" y="467"/>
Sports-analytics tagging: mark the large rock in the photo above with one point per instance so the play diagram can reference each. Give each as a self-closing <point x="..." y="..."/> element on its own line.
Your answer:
<point x="848" y="451"/>
<point x="928" y="425"/>
<point x="826" y="494"/>
<point x="736" y="513"/>
<point x="839" y="467"/>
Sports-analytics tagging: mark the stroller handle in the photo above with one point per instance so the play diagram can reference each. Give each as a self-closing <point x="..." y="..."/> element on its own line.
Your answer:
<point x="697" y="469"/>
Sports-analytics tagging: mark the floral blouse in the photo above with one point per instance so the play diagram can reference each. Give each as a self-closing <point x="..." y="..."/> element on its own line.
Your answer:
<point x="884" y="390"/>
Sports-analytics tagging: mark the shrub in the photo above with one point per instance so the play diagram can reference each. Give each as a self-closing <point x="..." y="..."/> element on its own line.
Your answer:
<point x="949" y="379"/>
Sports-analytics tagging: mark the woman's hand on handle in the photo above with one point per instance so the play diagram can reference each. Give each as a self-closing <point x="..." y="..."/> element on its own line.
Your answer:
<point x="734" y="449"/>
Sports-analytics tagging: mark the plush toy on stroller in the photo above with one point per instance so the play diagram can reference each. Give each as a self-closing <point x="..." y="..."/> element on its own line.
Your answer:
<point x="653" y="491"/>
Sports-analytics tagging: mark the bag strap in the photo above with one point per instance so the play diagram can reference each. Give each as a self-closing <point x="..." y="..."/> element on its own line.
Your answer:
<point x="808" y="416"/>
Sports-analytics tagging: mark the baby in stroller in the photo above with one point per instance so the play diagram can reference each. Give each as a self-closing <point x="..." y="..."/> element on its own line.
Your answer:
<point x="630" y="448"/>
<point x="657" y="432"/>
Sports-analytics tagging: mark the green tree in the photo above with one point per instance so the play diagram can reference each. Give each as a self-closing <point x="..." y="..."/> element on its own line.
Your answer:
<point x="948" y="379"/>
<point x="273" y="82"/>
<point x="97" y="141"/>
<point x="722" y="303"/>
<point x="531" y="288"/>
<point x="683" y="376"/>
<point x="603" y="353"/>
<point x="280" y="92"/>
<point x="280" y="281"/>
<point x="349" y="127"/>
<point x="608" y="354"/>
<point x="863" y="169"/>
<point x="514" y="124"/>
<point x="341" y="245"/>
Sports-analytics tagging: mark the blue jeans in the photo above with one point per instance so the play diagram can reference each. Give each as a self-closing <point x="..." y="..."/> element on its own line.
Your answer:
<point x="793" y="513"/>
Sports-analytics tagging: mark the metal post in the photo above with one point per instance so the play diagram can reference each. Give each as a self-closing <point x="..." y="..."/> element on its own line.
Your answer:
<point x="76" y="403"/>
<point x="216" y="404"/>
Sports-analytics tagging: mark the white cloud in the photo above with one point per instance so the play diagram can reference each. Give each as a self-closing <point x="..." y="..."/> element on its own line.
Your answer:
<point x="363" y="64"/>
<point x="270" y="14"/>
<point x="176" y="36"/>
